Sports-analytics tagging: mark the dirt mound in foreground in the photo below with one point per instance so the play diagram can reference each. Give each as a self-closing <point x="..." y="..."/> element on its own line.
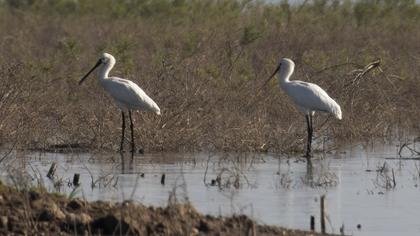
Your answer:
<point x="37" y="212"/>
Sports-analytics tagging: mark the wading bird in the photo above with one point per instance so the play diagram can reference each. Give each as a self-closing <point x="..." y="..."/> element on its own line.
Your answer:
<point x="128" y="95"/>
<point x="308" y="97"/>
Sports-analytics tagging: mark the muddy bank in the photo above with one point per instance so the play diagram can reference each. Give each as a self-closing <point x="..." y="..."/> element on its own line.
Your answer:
<point x="36" y="212"/>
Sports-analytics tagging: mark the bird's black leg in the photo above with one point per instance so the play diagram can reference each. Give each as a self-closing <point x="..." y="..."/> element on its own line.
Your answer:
<point x="311" y="118"/>
<point x="123" y="129"/>
<point x="132" y="133"/>
<point x="122" y="163"/>
<point x="308" y="144"/>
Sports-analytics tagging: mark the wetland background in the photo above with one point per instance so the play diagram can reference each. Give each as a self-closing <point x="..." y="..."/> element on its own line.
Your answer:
<point x="203" y="62"/>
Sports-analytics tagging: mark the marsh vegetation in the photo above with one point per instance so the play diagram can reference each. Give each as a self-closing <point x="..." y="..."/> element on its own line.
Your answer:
<point x="203" y="63"/>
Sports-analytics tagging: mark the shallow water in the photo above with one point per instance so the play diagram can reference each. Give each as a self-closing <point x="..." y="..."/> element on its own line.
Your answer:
<point x="270" y="189"/>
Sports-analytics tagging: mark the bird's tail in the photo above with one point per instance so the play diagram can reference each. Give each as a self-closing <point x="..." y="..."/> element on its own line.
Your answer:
<point x="156" y="109"/>
<point x="337" y="112"/>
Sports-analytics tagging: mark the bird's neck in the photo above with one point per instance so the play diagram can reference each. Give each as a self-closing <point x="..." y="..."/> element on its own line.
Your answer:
<point x="104" y="70"/>
<point x="285" y="75"/>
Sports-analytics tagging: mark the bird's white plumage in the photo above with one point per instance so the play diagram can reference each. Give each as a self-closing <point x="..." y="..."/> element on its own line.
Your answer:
<point x="308" y="97"/>
<point x="127" y="95"/>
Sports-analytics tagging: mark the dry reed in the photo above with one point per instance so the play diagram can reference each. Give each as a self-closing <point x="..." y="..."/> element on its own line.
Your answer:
<point x="203" y="62"/>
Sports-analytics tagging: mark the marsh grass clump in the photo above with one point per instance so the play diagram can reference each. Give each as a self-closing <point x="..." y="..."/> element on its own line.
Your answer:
<point x="230" y="171"/>
<point x="385" y="177"/>
<point x="203" y="62"/>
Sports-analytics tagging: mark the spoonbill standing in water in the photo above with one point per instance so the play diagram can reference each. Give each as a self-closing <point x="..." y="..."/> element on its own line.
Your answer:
<point x="128" y="95"/>
<point x="308" y="97"/>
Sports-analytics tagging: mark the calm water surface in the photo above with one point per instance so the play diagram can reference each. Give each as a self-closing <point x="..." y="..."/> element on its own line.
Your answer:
<point x="278" y="190"/>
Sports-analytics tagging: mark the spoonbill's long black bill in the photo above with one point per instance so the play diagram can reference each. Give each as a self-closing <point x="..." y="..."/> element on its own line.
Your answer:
<point x="271" y="76"/>
<point x="93" y="68"/>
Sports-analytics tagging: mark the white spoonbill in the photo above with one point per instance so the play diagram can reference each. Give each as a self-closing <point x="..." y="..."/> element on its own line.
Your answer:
<point x="308" y="97"/>
<point x="128" y="95"/>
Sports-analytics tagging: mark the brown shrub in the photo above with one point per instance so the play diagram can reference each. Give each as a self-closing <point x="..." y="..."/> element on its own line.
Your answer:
<point x="204" y="70"/>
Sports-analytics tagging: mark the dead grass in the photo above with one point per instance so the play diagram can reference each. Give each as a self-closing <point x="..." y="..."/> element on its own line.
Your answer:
<point x="203" y="65"/>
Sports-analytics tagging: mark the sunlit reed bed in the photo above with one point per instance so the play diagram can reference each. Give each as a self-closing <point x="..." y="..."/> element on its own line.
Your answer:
<point x="202" y="62"/>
